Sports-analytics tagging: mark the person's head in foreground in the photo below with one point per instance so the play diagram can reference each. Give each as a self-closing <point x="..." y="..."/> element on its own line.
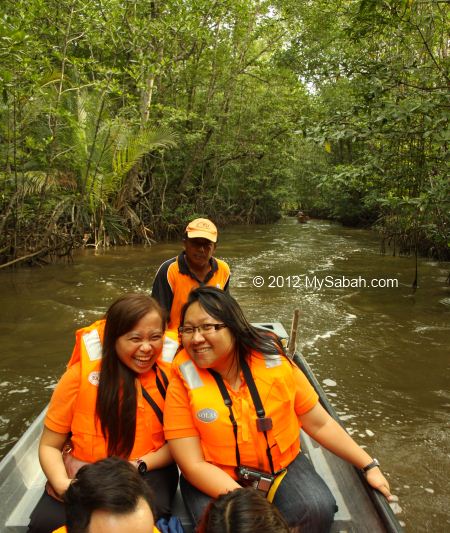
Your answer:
<point x="109" y="496"/>
<point x="242" y="511"/>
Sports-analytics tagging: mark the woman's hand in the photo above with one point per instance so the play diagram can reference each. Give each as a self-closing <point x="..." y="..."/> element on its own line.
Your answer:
<point x="154" y="460"/>
<point x="376" y="480"/>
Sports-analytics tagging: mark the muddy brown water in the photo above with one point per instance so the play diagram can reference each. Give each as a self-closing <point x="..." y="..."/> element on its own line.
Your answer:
<point x="379" y="349"/>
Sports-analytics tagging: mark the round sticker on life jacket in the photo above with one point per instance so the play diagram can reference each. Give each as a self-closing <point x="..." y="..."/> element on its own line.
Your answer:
<point x="94" y="378"/>
<point x="207" y="415"/>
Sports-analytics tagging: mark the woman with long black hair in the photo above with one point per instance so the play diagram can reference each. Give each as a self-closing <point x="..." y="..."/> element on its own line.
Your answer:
<point x="109" y="402"/>
<point x="233" y="413"/>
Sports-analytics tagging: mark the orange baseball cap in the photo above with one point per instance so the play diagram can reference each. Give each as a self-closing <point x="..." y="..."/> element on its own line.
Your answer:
<point x="202" y="228"/>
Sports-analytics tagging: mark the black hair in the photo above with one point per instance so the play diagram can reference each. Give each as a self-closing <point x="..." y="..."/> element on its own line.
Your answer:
<point x="116" y="398"/>
<point x="242" y="510"/>
<point x="111" y="484"/>
<point x="222" y="306"/>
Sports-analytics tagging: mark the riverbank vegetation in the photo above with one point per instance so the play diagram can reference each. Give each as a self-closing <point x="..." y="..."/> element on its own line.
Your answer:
<point x="122" y="119"/>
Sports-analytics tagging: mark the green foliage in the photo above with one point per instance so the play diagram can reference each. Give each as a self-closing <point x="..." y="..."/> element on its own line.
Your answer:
<point x="132" y="147"/>
<point x="121" y="120"/>
<point x="379" y="77"/>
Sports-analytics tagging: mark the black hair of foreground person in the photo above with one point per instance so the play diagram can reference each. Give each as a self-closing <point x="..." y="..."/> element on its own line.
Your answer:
<point x="242" y="511"/>
<point x="111" y="485"/>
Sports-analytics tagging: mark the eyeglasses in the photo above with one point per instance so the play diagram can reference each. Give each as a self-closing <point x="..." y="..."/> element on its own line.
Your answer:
<point x="204" y="329"/>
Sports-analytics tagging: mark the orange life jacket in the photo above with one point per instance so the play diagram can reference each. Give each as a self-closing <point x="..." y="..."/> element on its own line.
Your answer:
<point x="273" y="376"/>
<point x="87" y="438"/>
<point x="88" y="341"/>
<point x="170" y="348"/>
<point x="182" y="284"/>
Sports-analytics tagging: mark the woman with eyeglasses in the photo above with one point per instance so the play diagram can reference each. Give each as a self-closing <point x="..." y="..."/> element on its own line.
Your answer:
<point x="233" y="412"/>
<point x="109" y="402"/>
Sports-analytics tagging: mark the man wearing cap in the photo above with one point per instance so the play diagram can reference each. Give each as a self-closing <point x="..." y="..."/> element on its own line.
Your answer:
<point x="195" y="266"/>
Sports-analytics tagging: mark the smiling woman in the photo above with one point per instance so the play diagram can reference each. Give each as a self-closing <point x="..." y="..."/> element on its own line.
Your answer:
<point x="139" y="348"/>
<point x="110" y="403"/>
<point x="235" y="406"/>
<point x="209" y="342"/>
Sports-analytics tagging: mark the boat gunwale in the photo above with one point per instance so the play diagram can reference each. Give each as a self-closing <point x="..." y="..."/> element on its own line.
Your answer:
<point x="380" y="503"/>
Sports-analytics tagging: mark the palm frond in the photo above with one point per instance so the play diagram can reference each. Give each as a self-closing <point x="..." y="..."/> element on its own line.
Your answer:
<point x="38" y="182"/>
<point x="130" y="150"/>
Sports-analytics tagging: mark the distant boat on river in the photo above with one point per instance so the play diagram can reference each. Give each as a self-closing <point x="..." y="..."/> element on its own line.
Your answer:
<point x="302" y="218"/>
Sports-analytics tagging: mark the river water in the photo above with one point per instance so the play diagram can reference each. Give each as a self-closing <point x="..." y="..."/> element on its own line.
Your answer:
<point x="379" y="349"/>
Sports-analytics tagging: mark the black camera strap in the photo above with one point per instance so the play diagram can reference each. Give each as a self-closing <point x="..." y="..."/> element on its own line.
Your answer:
<point x="162" y="386"/>
<point x="228" y="402"/>
<point x="263" y="423"/>
<point x="153" y="404"/>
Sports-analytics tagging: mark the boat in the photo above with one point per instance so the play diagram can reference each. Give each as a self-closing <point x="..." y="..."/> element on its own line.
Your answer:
<point x="302" y="218"/>
<point x="361" y="508"/>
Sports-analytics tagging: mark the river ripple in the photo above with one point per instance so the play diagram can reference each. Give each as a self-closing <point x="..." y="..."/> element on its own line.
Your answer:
<point x="380" y="353"/>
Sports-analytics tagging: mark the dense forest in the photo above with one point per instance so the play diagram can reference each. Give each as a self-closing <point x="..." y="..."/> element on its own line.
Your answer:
<point x="121" y="119"/>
